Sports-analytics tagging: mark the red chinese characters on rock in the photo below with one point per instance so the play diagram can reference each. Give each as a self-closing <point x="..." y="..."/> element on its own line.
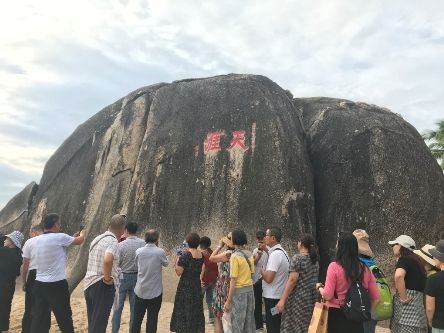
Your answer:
<point x="238" y="140"/>
<point x="212" y="142"/>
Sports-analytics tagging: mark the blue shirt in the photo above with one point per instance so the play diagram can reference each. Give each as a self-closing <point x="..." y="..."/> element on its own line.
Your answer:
<point x="150" y="260"/>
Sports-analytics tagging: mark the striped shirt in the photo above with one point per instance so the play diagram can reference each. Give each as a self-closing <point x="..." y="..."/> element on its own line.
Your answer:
<point x="127" y="253"/>
<point x="104" y="243"/>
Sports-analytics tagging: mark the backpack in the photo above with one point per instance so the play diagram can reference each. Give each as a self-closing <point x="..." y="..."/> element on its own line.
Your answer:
<point x="384" y="309"/>
<point x="357" y="302"/>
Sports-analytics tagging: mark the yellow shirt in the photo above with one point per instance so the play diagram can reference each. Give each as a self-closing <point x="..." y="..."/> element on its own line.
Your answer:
<point x="242" y="270"/>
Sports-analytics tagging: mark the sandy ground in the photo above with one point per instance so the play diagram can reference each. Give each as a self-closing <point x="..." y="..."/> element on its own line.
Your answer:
<point x="79" y="310"/>
<point x="79" y="316"/>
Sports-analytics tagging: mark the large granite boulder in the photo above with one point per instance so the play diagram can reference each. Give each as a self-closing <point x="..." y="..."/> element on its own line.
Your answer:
<point x="372" y="170"/>
<point x="208" y="155"/>
<point x="203" y="155"/>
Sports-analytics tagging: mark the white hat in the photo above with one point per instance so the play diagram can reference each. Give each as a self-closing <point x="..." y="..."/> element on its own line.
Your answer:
<point x="404" y="241"/>
<point x="17" y="238"/>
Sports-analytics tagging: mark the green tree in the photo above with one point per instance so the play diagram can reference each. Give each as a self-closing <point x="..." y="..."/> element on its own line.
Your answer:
<point x="435" y="141"/>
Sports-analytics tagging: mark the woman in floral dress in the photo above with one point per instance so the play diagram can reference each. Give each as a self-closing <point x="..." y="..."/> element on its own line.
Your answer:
<point x="223" y="279"/>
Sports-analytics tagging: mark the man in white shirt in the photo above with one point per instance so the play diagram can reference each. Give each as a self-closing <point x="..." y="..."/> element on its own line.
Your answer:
<point x="274" y="278"/>
<point x="29" y="273"/>
<point x="260" y="255"/>
<point x="51" y="288"/>
<point x="128" y="278"/>
<point x="150" y="260"/>
<point x="102" y="275"/>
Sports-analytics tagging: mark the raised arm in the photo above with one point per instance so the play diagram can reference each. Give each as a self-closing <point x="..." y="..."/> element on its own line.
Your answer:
<point x="79" y="238"/>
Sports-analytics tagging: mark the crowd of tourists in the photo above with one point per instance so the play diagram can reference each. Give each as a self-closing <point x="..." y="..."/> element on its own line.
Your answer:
<point x="245" y="291"/>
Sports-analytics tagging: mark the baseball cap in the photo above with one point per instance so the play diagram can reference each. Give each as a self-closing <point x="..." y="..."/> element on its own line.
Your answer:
<point x="404" y="241"/>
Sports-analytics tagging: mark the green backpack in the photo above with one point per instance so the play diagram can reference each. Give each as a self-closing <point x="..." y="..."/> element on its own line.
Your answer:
<point x="384" y="309"/>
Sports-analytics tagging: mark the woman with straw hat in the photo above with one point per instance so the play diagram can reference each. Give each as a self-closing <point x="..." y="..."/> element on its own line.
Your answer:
<point x="435" y="291"/>
<point x="10" y="262"/>
<point x="427" y="259"/>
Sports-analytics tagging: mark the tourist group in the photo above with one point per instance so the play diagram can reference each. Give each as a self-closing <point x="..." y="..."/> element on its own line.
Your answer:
<point x="245" y="291"/>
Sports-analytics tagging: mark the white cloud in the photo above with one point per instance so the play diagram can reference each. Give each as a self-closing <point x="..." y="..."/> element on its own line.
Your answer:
<point x="61" y="61"/>
<point x="25" y="157"/>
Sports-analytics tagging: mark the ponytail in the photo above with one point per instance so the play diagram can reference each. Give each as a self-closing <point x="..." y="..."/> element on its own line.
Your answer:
<point x="308" y="242"/>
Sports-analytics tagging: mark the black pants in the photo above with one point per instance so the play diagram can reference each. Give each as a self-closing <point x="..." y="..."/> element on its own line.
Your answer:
<point x="258" y="319"/>
<point x="51" y="296"/>
<point x="152" y="308"/>
<point x="273" y="322"/>
<point x="99" y="301"/>
<point x="337" y="323"/>
<point x="7" y="289"/>
<point x="29" y="301"/>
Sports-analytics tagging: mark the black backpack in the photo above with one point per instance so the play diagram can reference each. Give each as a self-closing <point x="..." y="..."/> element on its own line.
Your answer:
<point x="357" y="302"/>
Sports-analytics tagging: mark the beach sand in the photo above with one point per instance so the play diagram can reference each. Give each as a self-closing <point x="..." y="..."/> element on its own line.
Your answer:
<point x="79" y="310"/>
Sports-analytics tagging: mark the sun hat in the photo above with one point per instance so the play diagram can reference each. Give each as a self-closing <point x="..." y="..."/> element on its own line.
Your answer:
<point x="438" y="251"/>
<point x="17" y="238"/>
<point x="404" y="241"/>
<point x="363" y="243"/>
<point x="425" y="254"/>
<point x="227" y="240"/>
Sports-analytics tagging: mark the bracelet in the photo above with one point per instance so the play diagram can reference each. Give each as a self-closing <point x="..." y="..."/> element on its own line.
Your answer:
<point x="107" y="280"/>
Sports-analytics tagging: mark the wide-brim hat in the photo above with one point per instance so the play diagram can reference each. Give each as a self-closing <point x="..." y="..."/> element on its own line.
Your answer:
<point x="228" y="241"/>
<point x="425" y="254"/>
<point x="363" y="243"/>
<point x="404" y="241"/>
<point x="438" y="251"/>
<point x="17" y="238"/>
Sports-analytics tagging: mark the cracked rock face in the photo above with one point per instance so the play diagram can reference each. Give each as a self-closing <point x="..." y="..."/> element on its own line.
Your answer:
<point x="204" y="155"/>
<point x="209" y="155"/>
<point x="372" y="171"/>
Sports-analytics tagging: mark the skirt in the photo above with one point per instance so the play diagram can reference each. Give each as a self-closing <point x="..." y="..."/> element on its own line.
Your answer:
<point x="337" y="323"/>
<point x="409" y="317"/>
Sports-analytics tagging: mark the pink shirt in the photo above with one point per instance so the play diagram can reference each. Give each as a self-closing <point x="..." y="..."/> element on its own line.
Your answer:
<point x="337" y="281"/>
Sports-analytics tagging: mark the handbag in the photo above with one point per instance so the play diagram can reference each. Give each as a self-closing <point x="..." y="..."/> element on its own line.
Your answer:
<point x="226" y="322"/>
<point x="319" y="319"/>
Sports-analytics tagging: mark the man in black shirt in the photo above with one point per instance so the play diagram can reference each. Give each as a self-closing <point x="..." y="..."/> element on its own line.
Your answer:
<point x="435" y="291"/>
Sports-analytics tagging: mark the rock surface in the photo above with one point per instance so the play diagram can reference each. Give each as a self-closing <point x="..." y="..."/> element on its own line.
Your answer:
<point x="203" y="155"/>
<point x="372" y="170"/>
<point x="15" y="215"/>
<point x="209" y="155"/>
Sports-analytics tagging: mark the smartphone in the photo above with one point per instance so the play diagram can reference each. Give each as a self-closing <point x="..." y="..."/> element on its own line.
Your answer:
<point x="81" y="227"/>
<point x="274" y="311"/>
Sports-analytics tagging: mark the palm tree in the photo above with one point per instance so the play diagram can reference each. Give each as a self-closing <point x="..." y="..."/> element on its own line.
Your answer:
<point x="435" y="141"/>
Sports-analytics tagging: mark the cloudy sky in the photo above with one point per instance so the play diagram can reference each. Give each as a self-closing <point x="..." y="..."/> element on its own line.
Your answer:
<point x="62" y="61"/>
